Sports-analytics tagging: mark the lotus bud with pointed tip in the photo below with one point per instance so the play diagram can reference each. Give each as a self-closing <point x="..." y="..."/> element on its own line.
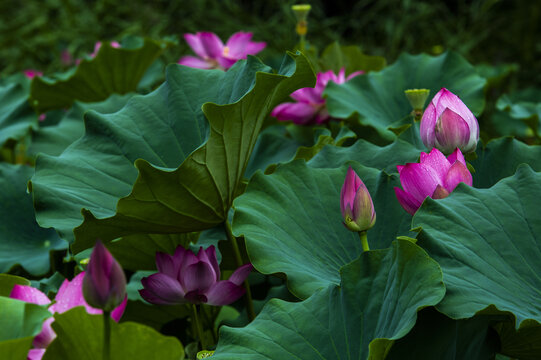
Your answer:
<point x="434" y="176"/>
<point x="448" y="124"/>
<point x="104" y="284"/>
<point x="356" y="204"/>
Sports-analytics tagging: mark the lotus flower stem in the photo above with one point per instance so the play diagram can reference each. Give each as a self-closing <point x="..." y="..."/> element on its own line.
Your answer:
<point x="195" y="319"/>
<point x="106" y="335"/>
<point x="238" y="258"/>
<point x="364" y="240"/>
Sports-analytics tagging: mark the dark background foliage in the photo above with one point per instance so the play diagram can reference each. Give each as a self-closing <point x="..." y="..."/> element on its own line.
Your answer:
<point x="34" y="33"/>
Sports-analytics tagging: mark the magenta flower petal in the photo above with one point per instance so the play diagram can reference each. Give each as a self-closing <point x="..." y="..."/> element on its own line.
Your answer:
<point x="457" y="174"/>
<point x="456" y="156"/>
<point x="211" y="43"/>
<point x="451" y="131"/>
<point x="195" y="43"/>
<point x="354" y="74"/>
<point x="356" y="203"/>
<point x="437" y="162"/>
<point x="209" y="256"/>
<point x="166" y="264"/>
<point x="419" y="180"/>
<point x="70" y="295"/>
<point x="194" y="62"/>
<point x="117" y="313"/>
<point x="198" y="276"/>
<point x="428" y="125"/>
<point x="408" y="202"/>
<point x="239" y="45"/>
<point x="196" y="297"/>
<point x="46" y="335"/>
<point x="184" y="258"/>
<point x="35" y="354"/>
<point x="29" y="294"/>
<point x="299" y="113"/>
<point x="223" y="293"/>
<point x="308" y="96"/>
<point x="162" y="289"/>
<point x="348" y="191"/>
<point x="225" y="62"/>
<point x="241" y="274"/>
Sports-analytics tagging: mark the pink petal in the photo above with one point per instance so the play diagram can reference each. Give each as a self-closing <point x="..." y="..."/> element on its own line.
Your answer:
<point x="349" y="189"/>
<point x="428" y="125"/>
<point x="196" y="297"/>
<point x="419" y="180"/>
<point x="209" y="255"/>
<point x="211" y="43"/>
<point x="354" y="74"/>
<point x="117" y="313"/>
<point x="225" y="63"/>
<point x="449" y="100"/>
<point x="199" y="276"/>
<point x="194" y="62"/>
<point x="237" y="44"/>
<point x="185" y="258"/>
<point x="29" y="294"/>
<point x="457" y="174"/>
<point x="167" y="265"/>
<point x="224" y="293"/>
<point x="440" y="193"/>
<point x="161" y="289"/>
<point x="408" y="202"/>
<point x="46" y="335"/>
<point x="299" y="113"/>
<point x="194" y="42"/>
<point x="35" y="354"/>
<point x="70" y="295"/>
<point x="241" y="274"/>
<point x="322" y="116"/>
<point x="451" y="131"/>
<point x="438" y="162"/>
<point x="308" y="96"/>
<point x="456" y="156"/>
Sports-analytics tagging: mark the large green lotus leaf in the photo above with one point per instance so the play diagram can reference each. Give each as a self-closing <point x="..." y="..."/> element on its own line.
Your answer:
<point x="292" y="223"/>
<point x="52" y="140"/>
<point x="138" y="251"/>
<point x="435" y="336"/>
<point x="379" y="97"/>
<point x="380" y="157"/>
<point x="350" y="58"/>
<point x="80" y="336"/>
<point x="19" y="319"/>
<point x="524" y="105"/>
<point x="500" y="159"/>
<point x="16" y="349"/>
<point x="376" y="303"/>
<point x="488" y="245"/>
<point x="113" y="70"/>
<point x="16" y="115"/>
<point x="7" y="282"/>
<point x="198" y="194"/>
<point x="22" y="240"/>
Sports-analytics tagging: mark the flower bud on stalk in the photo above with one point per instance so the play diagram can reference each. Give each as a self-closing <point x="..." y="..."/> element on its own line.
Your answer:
<point x="448" y="124"/>
<point x="104" y="284"/>
<point x="417" y="99"/>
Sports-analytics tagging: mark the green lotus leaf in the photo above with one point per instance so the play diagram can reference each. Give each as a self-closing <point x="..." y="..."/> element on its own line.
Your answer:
<point x="350" y="58"/>
<point x="19" y="319"/>
<point x="292" y="223"/>
<point x="524" y="105"/>
<point x="379" y="97"/>
<point x="487" y="243"/>
<point x="22" y="241"/>
<point x="376" y="303"/>
<point x="16" y="115"/>
<point x="80" y="336"/>
<point x="113" y="70"/>
<point x="8" y="281"/>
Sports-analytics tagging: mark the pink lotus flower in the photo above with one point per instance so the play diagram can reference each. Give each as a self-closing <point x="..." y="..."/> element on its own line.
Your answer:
<point x="356" y="203"/>
<point x="187" y="278"/>
<point x="310" y="107"/>
<point x="69" y="296"/>
<point x="447" y="124"/>
<point x="434" y="176"/>
<point x="214" y="55"/>
<point x="97" y="48"/>
<point x="31" y="73"/>
<point x="104" y="285"/>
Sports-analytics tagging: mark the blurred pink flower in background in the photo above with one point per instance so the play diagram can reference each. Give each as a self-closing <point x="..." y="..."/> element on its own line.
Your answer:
<point x="69" y="296"/>
<point x="31" y="73"/>
<point x="310" y="107"/>
<point x="212" y="52"/>
<point x="434" y="176"/>
<point x="97" y="48"/>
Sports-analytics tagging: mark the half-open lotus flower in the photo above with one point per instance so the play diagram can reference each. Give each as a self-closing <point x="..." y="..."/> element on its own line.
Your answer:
<point x="435" y="176"/>
<point x="356" y="203"/>
<point x="212" y="52"/>
<point x="447" y="124"/>
<point x="69" y="296"/>
<point x="310" y="107"/>
<point x="187" y="278"/>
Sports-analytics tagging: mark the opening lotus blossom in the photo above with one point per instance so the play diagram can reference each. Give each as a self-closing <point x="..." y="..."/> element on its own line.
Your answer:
<point x="434" y="176"/>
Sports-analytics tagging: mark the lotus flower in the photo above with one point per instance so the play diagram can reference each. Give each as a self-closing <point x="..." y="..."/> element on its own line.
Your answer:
<point x="69" y="296"/>
<point x="214" y="55"/>
<point x="447" y="124"/>
<point x="97" y="47"/>
<point x="187" y="278"/>
<point x="104" y="285"/>
<point x="310" y="107"/>
<point x="31" y="73"/>
<point x="434" y="176"/>
<point x="356" y="204"/>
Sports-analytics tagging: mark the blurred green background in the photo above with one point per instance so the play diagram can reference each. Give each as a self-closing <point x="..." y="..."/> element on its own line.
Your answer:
<point x="34" y="33"/>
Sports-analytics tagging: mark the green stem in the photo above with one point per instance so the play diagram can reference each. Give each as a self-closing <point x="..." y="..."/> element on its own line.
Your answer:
<point x="238" y="258"/>
<point x="195" y="319"/>
<point x="106" y="335"/>
<point x="302" y="43"/>
<point x="364" y="240"/>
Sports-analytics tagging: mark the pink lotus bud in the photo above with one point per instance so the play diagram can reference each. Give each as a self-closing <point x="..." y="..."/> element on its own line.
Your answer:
<point x="104" y="284"/>
<point x="448" y="124"/>
<point x="434" y="176"/>
<point x="356" y="204"/>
